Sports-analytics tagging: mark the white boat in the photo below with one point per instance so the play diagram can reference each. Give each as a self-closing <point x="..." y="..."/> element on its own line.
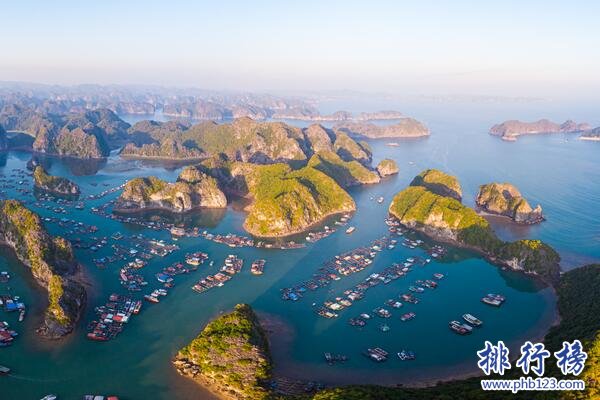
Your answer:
<point x="472" y="319"/>
<point x="350" y="230"/>
<point x="50" y="397"/>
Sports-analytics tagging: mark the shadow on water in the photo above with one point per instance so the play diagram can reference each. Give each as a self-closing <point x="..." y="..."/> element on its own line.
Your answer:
<point x="76" y="166"/>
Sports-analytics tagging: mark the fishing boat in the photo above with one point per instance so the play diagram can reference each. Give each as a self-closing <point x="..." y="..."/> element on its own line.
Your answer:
<point x="491" y="301"/>
<point x="498" y="297"/>
<point x="459" y="328"/>
<point x="472" y="320"/>
<point x="416" y="289"/>
<point x="21" y="315"/>
<point x="438" y="276"/>
<point x="50" y="397"/>
<point x="377" y="354"/>
<point x="406" y="355"/>
<point x="350" y="230"/>
<point x="4" y="370"/>
<point x="258" y="267"/>
<point x="407" y="316"/>
<point x="151" y="298"/>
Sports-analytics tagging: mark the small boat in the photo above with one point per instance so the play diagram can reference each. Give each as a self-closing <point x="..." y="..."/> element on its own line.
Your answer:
<point x="472" y="320"/>
<point x="380" y="199"/>
<point x="384" y="328"/>
<point x="406" y="355"/>
<point x="407" y="316"/>
<point x="498" y="297"/>
<point x="151" y="298"/>
<point x="50" y="397"/>
<point x="350" y="230"/>
<point x="459" y="328"/>
<point x="492" y="302"/>
<point x="4" y="370"/>
<point x="21" y="315"/>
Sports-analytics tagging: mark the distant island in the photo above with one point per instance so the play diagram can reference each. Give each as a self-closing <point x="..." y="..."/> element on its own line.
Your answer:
<point x="406" y="128"/>
<point x="430" y="208"/>
<point x="54" y="184"/>
<point x="193" y="189"/>
<point x="52" y="265"/>
<point x="505" y="199"/>
<point x="230" y="356"/>
<point x="310" y="114"/>
<point x="511" y="130"/>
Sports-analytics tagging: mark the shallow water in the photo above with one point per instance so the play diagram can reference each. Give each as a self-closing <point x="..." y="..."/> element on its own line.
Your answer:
<point x="561" y="175"/>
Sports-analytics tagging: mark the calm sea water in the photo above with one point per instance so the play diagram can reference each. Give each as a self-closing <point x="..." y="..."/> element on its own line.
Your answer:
<point x="557" y="171"/>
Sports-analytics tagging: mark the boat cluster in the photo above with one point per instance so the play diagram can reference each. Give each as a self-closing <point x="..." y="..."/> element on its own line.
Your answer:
<point x="258" y="267"/>
<point x="112" y="317"/>
<point x="357" y="292"/>
<point x="341" y="265"/>
<point x="232" y="266"/>
<point x="7" y="335"/>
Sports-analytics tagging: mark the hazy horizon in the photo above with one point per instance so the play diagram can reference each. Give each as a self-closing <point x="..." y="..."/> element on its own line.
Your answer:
<point x="538" y="49"/>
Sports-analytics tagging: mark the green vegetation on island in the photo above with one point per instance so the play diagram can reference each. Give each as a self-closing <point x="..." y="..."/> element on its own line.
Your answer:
<point x="54" y="184"/>
<point x="287" y="201"/>
<point x="230" y="356"/>
<point x="439" y="182"/>
<point x="193" y="189"/>
<point x="444" y="218"/>
<point x="505" y="199"/>
<point x="345" y="173"/>
<point x="52" y="265"/>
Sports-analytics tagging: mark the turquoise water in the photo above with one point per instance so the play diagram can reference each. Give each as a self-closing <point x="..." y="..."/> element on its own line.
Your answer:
<point x="561" y="175"/>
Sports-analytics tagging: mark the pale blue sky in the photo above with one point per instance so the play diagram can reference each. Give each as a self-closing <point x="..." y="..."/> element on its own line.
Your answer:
<point x="502" y="47"/>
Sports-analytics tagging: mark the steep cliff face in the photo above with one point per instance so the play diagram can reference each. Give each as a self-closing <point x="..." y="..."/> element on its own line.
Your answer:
<point x="387" y="167"/>
<point x="230" y="356"/>
<point x="505" y="199"/>
<point x="445" y="219"/>
<point x="193" y="189"/>
<point x="439" y="182"/>
<point x="345" y="173"/>
<point x="52" y="265"/>
<point x="54" y="184"/>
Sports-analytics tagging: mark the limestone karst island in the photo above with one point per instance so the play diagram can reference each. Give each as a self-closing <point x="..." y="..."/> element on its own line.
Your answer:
<point x="308" y="200"/>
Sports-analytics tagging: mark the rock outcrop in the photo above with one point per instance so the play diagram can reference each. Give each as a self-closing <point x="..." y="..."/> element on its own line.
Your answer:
<point x="230" y="356"/>
<point x="406" y="128"/>
<point x="510" y="130"/>
<point x="439" y="182"/>
<point x="444" y="218"/>
<point x="505" y="199"/>
<point x="52" y="264"/>
<point x="54" y="184"/>
<point x="387" y="167"/>
<point x="194" y="189"/>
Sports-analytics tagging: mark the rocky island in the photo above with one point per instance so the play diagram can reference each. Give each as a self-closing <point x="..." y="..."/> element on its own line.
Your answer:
<point x="439" y="183"/>
<point x="510" y="130"/>
<point x="54" y="184"/>
<point x="442" y="217"/>
<point x="193" y="189"/>
<point x="52" y="264"/>
<point x="230" y="356"/>
<point x="286" y="201"/>
<point x="387" y="167"/>
<point x="505" y="199"/>
<point x="406" y="128"/>
<point x="345" y="173"/>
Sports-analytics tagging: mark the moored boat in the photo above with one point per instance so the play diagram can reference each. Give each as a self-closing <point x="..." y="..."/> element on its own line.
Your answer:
<point x="472" y="319"/>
